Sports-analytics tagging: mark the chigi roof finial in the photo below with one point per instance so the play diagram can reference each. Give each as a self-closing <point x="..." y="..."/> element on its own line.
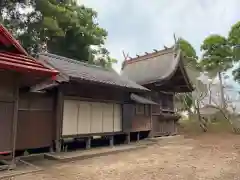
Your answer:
<point x="176" y="45"/>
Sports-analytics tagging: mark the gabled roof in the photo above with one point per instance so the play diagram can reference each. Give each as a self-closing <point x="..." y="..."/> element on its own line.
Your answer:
<point x="14" y="57"/>
<point x="75" y="70"/>
<point x="155" y="67"/>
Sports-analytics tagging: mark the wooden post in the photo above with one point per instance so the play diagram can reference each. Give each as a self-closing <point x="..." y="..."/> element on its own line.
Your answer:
<point x="138" y="136"/>
<point x="15" y="120"/>
<point x="59" y="116"/>
<point x="150" y="135"/>
<point x="128" y="138"/>
<point x="111" y="141"/>
<point x="88" y="143"/>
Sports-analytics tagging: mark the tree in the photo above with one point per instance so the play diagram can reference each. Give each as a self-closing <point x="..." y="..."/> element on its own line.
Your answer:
<point x="217" y="58"/>
<point x="234" y="41"/>
<point x="62" y="27"/>
<point x="191" y="62"/>
<point x="188" y="51"/>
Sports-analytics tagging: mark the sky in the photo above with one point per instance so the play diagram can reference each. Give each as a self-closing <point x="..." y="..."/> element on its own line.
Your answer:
<point x="139" y="26"/>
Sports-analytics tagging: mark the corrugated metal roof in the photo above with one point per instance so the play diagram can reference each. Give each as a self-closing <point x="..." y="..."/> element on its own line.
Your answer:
<point x="141" y="100"/>
<point x="151" y="67"/>
<point x="21" y="61"/>
<point x="78" y="70"/>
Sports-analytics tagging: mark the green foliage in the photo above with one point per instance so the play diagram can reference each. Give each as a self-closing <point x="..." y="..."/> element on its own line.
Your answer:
<point x="234" y="41"/>
<point x="187" y="50"/>
<point x="217" y="54"/>
<point x="190" y="58"/>
<point x="62" y="27"/>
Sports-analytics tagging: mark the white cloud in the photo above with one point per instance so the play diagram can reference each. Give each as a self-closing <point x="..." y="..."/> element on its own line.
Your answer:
<point x="137" y="26"/>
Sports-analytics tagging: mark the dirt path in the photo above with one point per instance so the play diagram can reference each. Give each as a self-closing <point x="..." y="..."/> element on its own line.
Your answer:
<point x="205" y="157"/>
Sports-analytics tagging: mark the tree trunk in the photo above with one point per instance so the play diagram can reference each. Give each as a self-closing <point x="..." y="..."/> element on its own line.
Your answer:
<point x="210" y="94"/>
<point x="201" y="120"/>
<point x="221" y="91"/>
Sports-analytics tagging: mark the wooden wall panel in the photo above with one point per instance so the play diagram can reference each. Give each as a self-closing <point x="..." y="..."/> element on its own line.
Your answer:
<point x="70" y="118"/>
<point x="35" y="121"/>
<point x="6" y="120"/>
<point x="97" y="115"/>
<point x="84" y="118"/>
<point x="34" y="129"/>
<point x="117" y="118"/>
<point x="108" y="122"/>
<point x="128" y="115"/>
<point x="141" y="123"/>
<point x="7" y="88"/>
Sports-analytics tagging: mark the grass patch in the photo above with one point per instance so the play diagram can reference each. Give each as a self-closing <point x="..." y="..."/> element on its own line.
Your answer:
<point x="192" y="126"/>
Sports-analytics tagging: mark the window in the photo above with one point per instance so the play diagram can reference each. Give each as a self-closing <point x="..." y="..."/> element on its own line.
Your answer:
<point x="142" y="109"/>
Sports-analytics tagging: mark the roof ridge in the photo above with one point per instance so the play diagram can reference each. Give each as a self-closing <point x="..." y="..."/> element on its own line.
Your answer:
<point x="148" y="56"/>
<point x="75" y="61"/>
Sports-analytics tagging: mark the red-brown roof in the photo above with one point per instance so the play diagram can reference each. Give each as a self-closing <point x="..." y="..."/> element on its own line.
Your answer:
<point x="19" y="60"/>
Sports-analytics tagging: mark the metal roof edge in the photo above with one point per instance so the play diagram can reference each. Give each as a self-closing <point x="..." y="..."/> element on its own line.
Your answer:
<point x="61" y="76"/>
<point x="13" y="41"/>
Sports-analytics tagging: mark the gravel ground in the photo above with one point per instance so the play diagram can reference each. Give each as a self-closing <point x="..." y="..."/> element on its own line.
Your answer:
<point x="202" y="157"/>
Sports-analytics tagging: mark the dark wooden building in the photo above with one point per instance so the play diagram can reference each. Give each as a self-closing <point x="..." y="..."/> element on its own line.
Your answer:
<point x="163" y="72"/>
<point x="89" y="99"/>
<point x="18" y="72"/>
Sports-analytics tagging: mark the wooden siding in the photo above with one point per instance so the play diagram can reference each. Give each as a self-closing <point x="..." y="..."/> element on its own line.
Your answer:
<point x="7" y="88"/>
<point x="7" y="101"/>
<point x="164" y="100"/>
<point x="95" y="92"/>
<point x="128" y="115"/>
<point x="162" y="127"/>
<point x="141" y="123"/>
<point x="35" y="121"/>
<point x="133" y="122"/>
<point x="6" y="123"/>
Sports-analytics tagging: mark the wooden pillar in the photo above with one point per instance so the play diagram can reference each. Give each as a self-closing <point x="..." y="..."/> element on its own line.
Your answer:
<point x="150" y="135"/>
<point x="59" y="118"/>
<point x="128" y="138"/>
<point x="138" y="136"/>
<point x="176" y="127"/>
<point x="15" y="120"/>
<point x="88" y="142"/>
<point x="111" y="141"/>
